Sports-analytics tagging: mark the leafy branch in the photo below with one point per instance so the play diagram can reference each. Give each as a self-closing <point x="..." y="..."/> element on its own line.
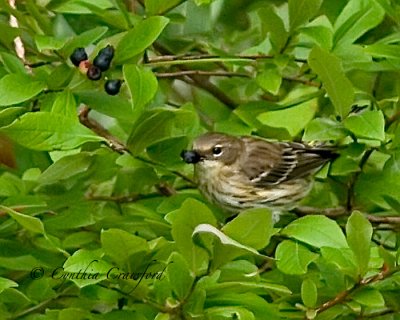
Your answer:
<point x="342" y="296"/>
<point x="115" y="144"/>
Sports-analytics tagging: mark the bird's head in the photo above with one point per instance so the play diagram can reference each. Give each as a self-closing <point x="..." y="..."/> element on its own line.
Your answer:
<point x="213" y="147"/>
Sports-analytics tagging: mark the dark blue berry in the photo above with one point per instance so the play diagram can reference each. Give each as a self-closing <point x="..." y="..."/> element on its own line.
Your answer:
<point x="104" y="58"/>
<point x="78" y="56"/>
<point x="190" y="156"/>
<point x="112" y="87"/>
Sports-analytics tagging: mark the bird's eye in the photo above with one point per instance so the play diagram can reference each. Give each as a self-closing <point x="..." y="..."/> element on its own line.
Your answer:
<point x="217" y="151"/>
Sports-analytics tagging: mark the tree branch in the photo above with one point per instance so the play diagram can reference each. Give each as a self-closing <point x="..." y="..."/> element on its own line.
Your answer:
<point x="200" y="73"/>
<point x="93" y="125"/>
<point x="115" y="144"/>
<point x="341" y="297"/>
<point x="185" y="57"/>
<point x="202" y="82"/>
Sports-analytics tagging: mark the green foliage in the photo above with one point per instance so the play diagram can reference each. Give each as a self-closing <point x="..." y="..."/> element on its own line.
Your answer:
<point x="99" y="216"/>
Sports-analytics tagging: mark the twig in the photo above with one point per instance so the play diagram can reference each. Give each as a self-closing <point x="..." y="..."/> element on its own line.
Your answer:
<point x="384" y="219"/>
<point x="121" y="199"/>
<point x="113" y="142"/>
<point x="341" y="297"/>
<point x="227" y="74"/>
<point x="202" y="82"/>
<point x="341" y="211"/>
<point x="38" y="64"/>
<point x="304" y="81"/>
<point x="163" y="188"/>
<point x="200" y="73"/>
<point x="170" y="57"/>
<point x="329" y="212"/>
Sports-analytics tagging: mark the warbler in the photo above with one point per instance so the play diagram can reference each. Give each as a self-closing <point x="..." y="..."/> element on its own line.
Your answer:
<point x="238" y="173"/>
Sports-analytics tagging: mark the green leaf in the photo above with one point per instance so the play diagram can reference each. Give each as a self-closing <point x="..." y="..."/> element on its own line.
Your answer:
<point x="272" y="23"/>
<point x="372" y="186"/>
<point x="251" y="227"/>
<point x="168" y="122"/>
<point x="359" y="234"/>
<point x="29" y="223"/>
<point x="356" y="19"/>
<point x="44" y="42"/>
<point x="73" y="313"/>
<point x="168" y="151"/>
<point x="72" y="217"/>
<point x="10" y="185"/>
<point x="227" y="313"/>
<point x="381" y="50"/>
<point x="392" y="202"/>
<point x="367" y="125"/>
<point x="79" y="6"/>
<point x="180" y="276"/>
<point x="9" y="114"/>
<point x="12" y="64"/>
<point x="139" y="38"/>
<point x="343" y="167"/>
<point x="318" y="231"/>
<point x="185" y="220"/>
<point x="270" y="79"/>
<point x="309" y="293"/>
<point x="118" y="17"/>
<point x="293" y="119"/>
<point x="301" y="11"/>
<point x="293" y="258"/>
<point x="65" y="104"/>
<point x="369" y="297"/>
<point x="87" y="264"/>
<point x="83" y="40"/>
<point x="79" y="239"/>
<point x="339" y="88"/>
<point x="162" y="316"/>
<point x="142" y="85"/>
<point x="113" y="106"/>
<point x="120" y="244"/>
<point x="65" y="168"/>
<point x="17" y="87"/>
<point x="250" y="301"/>
<point x="49" y="131"/>
<point x="243" y="286"/>
<point x="157" y="7"/>
<point x="323" y="129"/>
<point x="6" y="283"/>
<point x="60" y="78"/>
<point x="320" y="32"/>
<point x="342" y="258"/>
<point x="223" y="238"/>
<point x="138" y="140"/>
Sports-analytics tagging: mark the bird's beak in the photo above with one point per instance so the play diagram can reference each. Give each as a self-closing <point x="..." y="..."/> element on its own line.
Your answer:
<point x="190" y="156"/>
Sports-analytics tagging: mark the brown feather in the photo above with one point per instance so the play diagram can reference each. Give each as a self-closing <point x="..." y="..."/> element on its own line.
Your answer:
<point x="268" y="163"/>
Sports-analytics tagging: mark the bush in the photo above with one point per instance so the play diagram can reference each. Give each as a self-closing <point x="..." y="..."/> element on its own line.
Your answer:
<point x="99" y="216"/>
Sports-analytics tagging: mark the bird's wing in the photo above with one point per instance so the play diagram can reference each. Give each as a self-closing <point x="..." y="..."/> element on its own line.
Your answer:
<point x="268" y="164"/>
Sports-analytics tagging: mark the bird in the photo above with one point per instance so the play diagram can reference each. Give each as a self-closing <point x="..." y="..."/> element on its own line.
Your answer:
<point x="243" y="172"/>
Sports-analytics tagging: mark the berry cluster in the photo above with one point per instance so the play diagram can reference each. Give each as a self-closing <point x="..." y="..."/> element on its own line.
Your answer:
<point x="101" y="63"/>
